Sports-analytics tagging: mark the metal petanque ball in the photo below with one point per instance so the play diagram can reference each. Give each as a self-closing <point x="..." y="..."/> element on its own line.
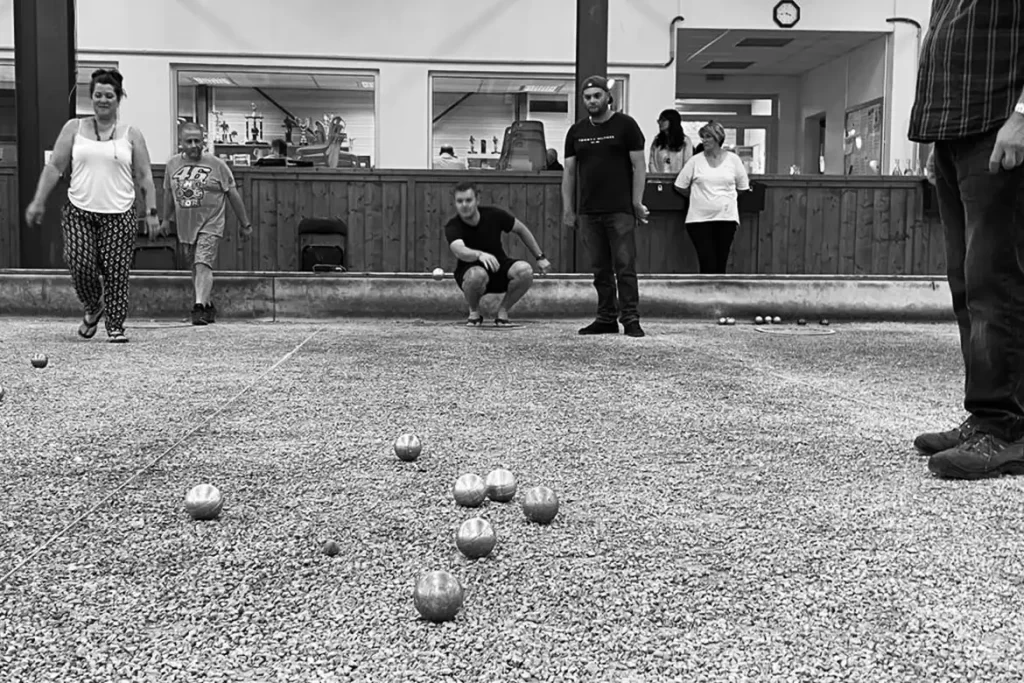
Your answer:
<point x="540" y="504"/>
<point x="408" y="447"/>
<point x="204" y="502"/>
<point x="501" y="485"/>
<point x="470" y="490"/>
<point x="330" y="548"/>
<point x="40" y="360"/>
<point x="438" y="596"/>
<point x="475" y="538"/>
<point x="438" y="273"/>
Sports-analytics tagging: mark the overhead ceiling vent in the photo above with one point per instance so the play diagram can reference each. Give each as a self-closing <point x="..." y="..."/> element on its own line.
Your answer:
<point x="764" y="42"/>
<point x="733" y="66"/>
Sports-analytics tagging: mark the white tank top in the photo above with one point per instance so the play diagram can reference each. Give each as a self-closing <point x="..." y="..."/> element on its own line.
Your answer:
<point x="101" y="173"/>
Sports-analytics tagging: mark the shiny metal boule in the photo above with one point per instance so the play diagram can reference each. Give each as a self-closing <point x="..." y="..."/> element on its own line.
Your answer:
<point x="540" y="504"/>
<point x="438" y="596"/>
<point x="476" y="538"/>
<point x="470" y="490"/>
<point x="501" y="485"/>
<point x="408" y="447"/>
<point x="204" y="502"/>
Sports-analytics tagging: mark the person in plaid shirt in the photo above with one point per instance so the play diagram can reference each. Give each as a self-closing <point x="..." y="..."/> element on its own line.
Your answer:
<point x="970" y="104"/>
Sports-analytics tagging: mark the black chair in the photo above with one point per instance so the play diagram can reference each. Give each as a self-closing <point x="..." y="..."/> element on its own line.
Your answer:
<point x="323" y="242"/>
<point x="158" y="254"/>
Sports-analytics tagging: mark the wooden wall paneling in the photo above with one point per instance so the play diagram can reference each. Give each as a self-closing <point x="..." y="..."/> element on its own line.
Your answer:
<point x="830" y="231"/>
<point x="372" y="209"/>
<point x="357" y="225"/>
<point x="863" y="247"/>
<point x="10" y="220"/>
<point x="899" y="245"/>
<point x="797" y="234"/>
<point x="778" y="239"/>
<point x="848" y="232"/>
<point x="812" y="260"/>
<point x="392" y="230"/>
<point x="881" y="237"/>
<point x="266" y="195"/>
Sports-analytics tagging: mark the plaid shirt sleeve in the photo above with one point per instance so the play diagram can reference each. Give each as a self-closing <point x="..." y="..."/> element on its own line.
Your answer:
<point x="971" y="71"/>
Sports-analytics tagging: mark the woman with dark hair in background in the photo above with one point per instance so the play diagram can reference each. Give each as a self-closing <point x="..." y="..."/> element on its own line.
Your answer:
<point x="99" y="221"/>
<point x="671" y="148"/>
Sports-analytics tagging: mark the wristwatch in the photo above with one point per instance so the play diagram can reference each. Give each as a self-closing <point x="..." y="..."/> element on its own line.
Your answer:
<point x="1019" y="108"/>
<point x="540" y="256"/>
<point x="154" y="212"/>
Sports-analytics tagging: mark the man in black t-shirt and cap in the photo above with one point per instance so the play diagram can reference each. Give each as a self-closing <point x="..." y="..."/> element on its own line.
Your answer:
<point x="606" y="150"/>
<point x="474" y="236"/>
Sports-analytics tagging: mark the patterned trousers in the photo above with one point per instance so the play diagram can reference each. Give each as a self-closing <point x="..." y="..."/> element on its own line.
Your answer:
<point x="100" y="244"/>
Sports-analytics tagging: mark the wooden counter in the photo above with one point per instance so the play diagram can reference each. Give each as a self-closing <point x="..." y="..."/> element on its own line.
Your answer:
<point x="809" y="224"/>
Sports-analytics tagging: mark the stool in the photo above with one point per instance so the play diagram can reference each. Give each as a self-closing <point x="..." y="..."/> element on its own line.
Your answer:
<point x="322" y="242"/>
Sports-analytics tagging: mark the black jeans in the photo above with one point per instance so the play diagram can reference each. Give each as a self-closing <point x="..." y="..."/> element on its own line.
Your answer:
<point x="712" y="242"/>
<point x="610" y="239"/>
<point x="983" y="215"/>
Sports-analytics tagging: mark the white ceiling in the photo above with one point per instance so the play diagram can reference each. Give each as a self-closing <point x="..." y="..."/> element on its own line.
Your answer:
<point x="807" y="50"/>
<point x="278" y="80"/>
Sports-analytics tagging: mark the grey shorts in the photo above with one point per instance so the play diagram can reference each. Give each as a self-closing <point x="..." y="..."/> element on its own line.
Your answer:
<point x="204" y="251"/>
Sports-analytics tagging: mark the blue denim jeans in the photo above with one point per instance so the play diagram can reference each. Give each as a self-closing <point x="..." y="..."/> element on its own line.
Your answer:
<point x="983" y="216"/>
<point x="610" y="240"/>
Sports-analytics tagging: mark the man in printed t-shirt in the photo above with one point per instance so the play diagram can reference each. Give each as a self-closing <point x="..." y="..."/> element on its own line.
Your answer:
<point x="197" y="185"/>
<point x="605" y="151"/>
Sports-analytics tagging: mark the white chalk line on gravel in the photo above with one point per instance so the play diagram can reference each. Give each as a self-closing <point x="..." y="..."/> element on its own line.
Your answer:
<point x="78" y="520"/>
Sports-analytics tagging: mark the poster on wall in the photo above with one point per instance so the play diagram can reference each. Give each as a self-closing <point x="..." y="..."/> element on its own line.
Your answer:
<point x="862" y="141"/>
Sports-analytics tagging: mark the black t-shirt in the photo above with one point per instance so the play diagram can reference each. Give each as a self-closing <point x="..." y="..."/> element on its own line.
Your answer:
<point x="604" y="171"/>
<point x="485" y="235"/>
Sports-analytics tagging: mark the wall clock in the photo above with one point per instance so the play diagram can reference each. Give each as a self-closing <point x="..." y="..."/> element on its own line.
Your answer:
<point x="786" y="13"/>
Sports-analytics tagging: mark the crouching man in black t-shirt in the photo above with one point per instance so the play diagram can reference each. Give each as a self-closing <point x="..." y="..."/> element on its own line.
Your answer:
<point x="483" y="267"/>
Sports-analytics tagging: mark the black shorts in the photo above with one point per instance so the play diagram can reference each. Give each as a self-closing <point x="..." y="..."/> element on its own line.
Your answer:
<point x="497" y="283"/>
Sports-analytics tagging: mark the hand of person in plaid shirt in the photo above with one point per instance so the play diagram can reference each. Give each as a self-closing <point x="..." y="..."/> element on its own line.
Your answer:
<point x="1009" y="148"/>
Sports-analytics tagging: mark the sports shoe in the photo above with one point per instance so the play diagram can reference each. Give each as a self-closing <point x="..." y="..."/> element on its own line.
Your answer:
<point x="598" y="327"/>
<point x="198" y="315"/>
<point x="633" y="329"/>
<point x="930" y="443"/>
<point x="210" y="313"/>
<point x="980" y="456"/>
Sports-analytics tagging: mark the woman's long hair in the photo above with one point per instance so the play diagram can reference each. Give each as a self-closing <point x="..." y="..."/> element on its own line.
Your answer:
<point x="674" y="138"/>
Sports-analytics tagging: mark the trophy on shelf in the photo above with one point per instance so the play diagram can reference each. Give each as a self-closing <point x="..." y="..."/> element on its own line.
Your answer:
<point x="219" y="125"/>
<point x="494" y="150"/>
<point x="331" y="141"/>
<point x="472" y="145"/>
<point x="256" y="125"/>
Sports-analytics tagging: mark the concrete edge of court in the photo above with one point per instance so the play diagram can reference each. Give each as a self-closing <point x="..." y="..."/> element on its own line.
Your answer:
<point x="285" y="296"/>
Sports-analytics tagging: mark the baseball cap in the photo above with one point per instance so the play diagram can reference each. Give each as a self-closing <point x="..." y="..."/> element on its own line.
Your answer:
<point x="596" y="82"/>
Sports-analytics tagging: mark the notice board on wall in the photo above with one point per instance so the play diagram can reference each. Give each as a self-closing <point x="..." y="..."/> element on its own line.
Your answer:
<point x="862" y="139"/>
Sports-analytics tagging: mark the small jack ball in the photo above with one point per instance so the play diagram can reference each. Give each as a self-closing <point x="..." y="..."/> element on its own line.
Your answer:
<point x="438" y="273"/>
<point x="801" y="321"/>
<point x="408" y="447"/>
<point x="722" y="321"/>
<point x="40" y="360"/>
<point x="825" y="322"/>
<point x="330" y="548"/>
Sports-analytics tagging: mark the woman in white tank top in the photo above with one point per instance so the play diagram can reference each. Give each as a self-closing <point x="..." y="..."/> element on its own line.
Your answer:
<point x="107" y="159"/>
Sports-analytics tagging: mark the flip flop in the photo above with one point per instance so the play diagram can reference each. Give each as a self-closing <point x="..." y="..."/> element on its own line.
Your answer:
<point x="475" y="322"/>
<point x="87" y="330"/>
<point x="502" y="322"/>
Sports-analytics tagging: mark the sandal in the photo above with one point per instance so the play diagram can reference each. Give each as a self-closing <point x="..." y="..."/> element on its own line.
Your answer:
<point x="475" y="322"/>
<point x="117" y="337"/>
<point x="87" y="330"/>
<point x="502" y="322"/>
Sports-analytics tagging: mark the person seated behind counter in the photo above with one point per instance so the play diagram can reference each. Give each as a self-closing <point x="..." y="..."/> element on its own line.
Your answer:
<point x="278" y="154"/>
<point x="448" y="161"/>
<point x="553" y="164"/>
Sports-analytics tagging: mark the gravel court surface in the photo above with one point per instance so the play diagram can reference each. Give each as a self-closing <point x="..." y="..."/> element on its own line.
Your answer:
<point x="713" y="527"/>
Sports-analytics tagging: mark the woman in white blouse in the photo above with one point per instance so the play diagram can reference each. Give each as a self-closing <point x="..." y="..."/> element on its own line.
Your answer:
<point x="671" y="148"/>
<point x="712" y="180"/>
